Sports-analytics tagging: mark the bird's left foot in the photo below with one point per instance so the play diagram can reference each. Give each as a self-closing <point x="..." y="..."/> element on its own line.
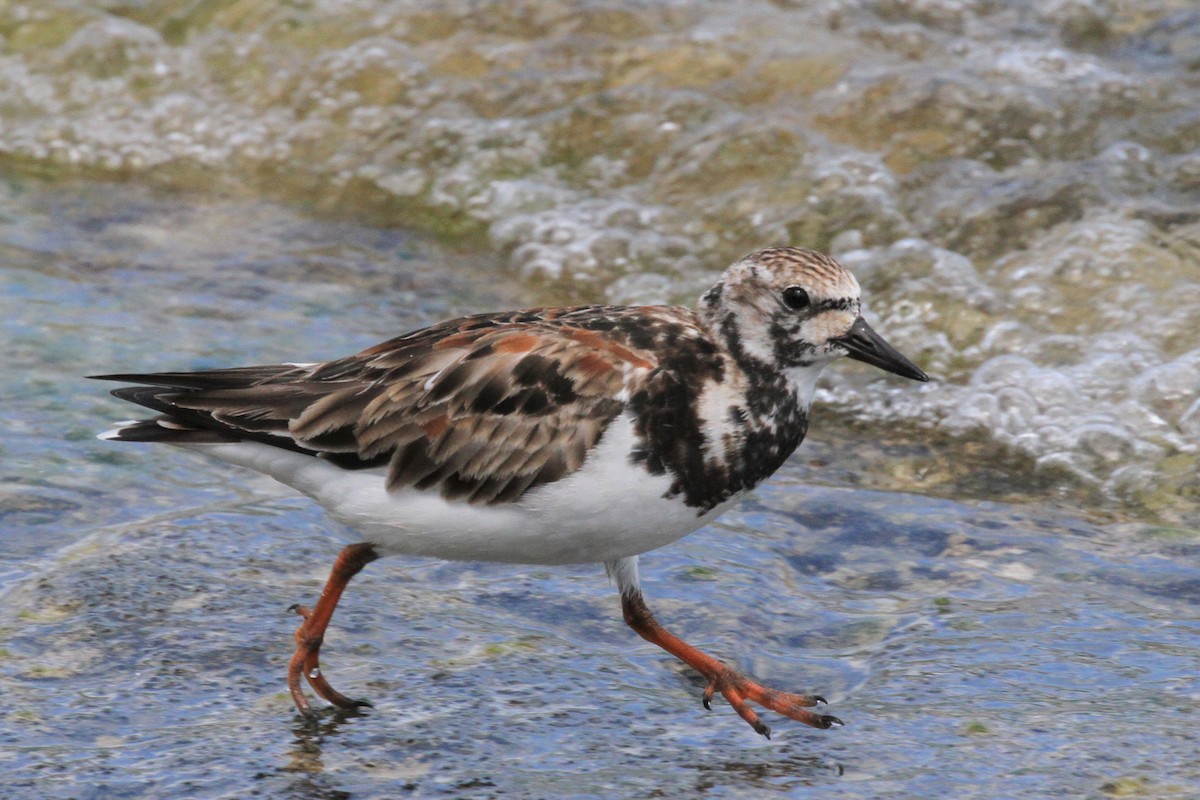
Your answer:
<point x="740" y="691"/>
<point x="311" y="633"/>
<point x="306" y="661"/>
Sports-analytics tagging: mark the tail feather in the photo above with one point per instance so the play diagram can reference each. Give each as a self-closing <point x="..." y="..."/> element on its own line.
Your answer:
<point x="180" y="425"/>
<point x="234" y="378"/>
<point x="164" y="429"/>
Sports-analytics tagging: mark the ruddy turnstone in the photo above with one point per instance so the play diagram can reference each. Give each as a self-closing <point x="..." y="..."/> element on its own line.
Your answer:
<point x="546" y="436"/>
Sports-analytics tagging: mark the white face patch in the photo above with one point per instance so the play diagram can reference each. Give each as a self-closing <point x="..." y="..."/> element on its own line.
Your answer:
<point x="828" y="325"/>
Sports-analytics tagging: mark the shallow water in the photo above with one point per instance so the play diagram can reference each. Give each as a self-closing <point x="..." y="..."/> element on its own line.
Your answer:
<point x="975" y="649"/>
<point x="995" y="578"/>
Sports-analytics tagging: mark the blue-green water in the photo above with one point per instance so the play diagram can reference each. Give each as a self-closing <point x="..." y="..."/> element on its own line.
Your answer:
<point x="975" y="649"/>
<point x="994" y="577"/>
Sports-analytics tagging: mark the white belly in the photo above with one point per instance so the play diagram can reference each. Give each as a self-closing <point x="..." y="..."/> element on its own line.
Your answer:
<point x="606" y="510"/>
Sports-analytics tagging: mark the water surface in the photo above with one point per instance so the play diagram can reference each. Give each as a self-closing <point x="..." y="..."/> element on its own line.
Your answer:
<point x="975" y="649"/>
<point x="995" y="578"/>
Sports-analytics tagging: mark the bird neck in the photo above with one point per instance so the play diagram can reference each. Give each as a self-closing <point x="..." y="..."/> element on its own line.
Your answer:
<point x="755" y="356"/>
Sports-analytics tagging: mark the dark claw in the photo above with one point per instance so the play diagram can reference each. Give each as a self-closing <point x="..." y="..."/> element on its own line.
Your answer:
<point x="759" y="727"/>
<point x="292" y="608"/>
<point x="367" y="704"/>
<point x="828" y="722"/>
<point x="707" y="703"/>
<point x="820" y="699"/>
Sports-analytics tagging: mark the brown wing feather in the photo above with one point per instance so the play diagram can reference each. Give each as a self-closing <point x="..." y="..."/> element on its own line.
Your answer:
<point x="482" y="408"/>
<point x="483" y="413"/>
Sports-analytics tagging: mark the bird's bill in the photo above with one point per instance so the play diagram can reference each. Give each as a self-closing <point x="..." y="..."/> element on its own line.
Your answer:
<point x="862" y="343"/>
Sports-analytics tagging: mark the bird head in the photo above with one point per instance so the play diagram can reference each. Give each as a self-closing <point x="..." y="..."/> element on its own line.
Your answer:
<point x="795" y="311"/>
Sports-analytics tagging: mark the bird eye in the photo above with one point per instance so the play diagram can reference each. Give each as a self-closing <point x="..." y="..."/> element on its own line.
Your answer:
<point x="795" y="298"/>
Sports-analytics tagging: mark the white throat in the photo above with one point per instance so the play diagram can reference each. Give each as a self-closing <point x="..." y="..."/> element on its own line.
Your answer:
<point x="805" y="381"/>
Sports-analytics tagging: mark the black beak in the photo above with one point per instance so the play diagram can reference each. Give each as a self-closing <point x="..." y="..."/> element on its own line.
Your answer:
<point x="862" y="343"/>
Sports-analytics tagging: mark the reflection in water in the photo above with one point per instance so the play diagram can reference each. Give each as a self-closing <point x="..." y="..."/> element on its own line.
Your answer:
<point x="777" y="772"/>
<point x="305" y="762"/>
<point x="311" y="734"/>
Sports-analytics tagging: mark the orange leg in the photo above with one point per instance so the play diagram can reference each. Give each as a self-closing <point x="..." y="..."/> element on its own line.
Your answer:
<point x="311" y="633"/>
<point x="735" y="687"/>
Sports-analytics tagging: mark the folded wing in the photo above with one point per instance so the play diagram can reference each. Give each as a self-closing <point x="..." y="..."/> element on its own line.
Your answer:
<point x="483" y="409"/>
